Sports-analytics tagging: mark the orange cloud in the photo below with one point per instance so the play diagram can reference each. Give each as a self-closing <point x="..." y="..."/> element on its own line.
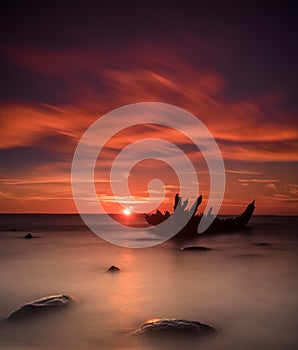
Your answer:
<point x="271" y="186"/>
<point x="247" y="129"/>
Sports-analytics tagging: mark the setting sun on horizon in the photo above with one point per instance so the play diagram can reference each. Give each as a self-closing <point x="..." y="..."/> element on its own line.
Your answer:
<point x="148" y="175"/>
<point x="126" y="212"/>
<point x="249" y="107"/>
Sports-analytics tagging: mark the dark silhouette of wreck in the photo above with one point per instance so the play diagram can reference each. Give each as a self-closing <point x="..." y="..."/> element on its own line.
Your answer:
<point x="190" y="230"/>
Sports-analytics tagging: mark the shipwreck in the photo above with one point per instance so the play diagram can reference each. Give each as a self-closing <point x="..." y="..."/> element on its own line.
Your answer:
<point x="190" y="230"/>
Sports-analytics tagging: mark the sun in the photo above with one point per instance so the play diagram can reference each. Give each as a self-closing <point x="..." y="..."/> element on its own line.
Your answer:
<point x="126" y="211"/>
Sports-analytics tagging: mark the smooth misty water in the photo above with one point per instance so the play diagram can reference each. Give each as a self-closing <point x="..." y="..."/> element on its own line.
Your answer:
<point x="248" y="292"/>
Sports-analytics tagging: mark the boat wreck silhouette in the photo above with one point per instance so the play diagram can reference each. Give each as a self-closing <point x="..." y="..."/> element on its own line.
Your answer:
<point x="190" y="230"/>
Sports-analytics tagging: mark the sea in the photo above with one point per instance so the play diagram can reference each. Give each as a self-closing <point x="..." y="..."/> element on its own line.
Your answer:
<point x="245" y="286"/>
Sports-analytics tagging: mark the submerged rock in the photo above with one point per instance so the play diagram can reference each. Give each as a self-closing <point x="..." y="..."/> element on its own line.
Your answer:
<point x="174" y="327"/>
<point x="248" y="256"/>
<point x="196" y="248"/>
<point x="113" y="269"/>
<point x="42" y="304"/>
<point x="28" y="236"/>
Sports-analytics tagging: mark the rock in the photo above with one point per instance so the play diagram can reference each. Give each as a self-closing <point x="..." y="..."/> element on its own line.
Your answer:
<point x="28" y="236"/>
<point x="113" y="269"/>
<point x="196" y="248"/>
<point x="262" y="244"/>
<point x="174" y="327"/>
<point x="40" y="305"/>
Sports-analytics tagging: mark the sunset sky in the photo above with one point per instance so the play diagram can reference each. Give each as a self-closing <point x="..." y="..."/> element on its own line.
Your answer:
<point x="231" y="63"/>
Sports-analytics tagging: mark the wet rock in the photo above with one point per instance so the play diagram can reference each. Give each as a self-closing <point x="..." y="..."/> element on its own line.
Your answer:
<point x="196" y="248"/>
<point x="173" y="327"/>
<point x="41" y="305"/>
<point x="28" y="236"/>
<point x="113" y="269"/>
<point x="262" y="244"/>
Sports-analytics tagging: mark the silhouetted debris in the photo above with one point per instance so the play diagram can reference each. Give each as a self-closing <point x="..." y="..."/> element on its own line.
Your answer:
<point x="190" y="230"/>
<point x="28" y="236"/>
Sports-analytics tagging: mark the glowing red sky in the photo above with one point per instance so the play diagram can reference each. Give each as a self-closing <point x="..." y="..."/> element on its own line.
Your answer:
<point x="233" y="67"/>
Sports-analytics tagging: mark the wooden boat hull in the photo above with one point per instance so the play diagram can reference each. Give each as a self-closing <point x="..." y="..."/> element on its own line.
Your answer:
<point x="218" y="225"/>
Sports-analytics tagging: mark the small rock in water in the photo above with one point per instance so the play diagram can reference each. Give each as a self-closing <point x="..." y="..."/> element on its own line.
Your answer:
<point x="262" y="244"/>
<point x="28" y="236"/>
<point x="42" y="304"/>
<point x="196" y="248"/>
<point x="113" y="269"/>
<point x="174" y="327"/>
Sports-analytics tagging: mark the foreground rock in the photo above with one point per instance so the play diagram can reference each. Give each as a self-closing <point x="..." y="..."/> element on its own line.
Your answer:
<point x="174" y="327"/>
<point x="113" y="269"/>
<point x="28" y="236"/>
<point x="41" y="305"/>
<point x="196" y="248"/>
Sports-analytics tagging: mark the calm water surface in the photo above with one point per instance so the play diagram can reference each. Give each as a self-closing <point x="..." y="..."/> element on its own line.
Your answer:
<point x="248" y="292"/>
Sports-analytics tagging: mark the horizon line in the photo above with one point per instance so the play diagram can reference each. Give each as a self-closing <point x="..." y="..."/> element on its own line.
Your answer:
<point x="47" y="213"/>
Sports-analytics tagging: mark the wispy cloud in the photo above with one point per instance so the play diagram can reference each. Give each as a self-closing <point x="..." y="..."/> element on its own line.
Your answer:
<point x="249" y="129"/>
<point x="243" y="172"/>
<point x="257" y="180"/>
<point x="291" y="188"/>
<point x="271" y="186"/>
